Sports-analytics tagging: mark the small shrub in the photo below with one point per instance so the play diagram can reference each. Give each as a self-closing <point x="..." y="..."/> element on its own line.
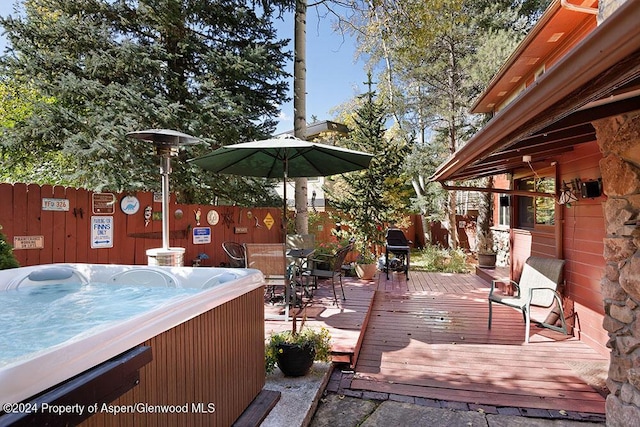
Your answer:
<point x="7" y="259"/>
<point x="437" y="259"/>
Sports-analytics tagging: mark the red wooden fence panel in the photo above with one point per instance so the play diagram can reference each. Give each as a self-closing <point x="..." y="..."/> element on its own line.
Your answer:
<point x="20" y="221"/>
<point x="68" y="236"/>
<point x="48" y="221"/>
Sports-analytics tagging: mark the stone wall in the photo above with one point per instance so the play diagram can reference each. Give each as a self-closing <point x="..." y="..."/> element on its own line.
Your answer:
<point x="619" y="141"/>
<point x="607" y="7"/>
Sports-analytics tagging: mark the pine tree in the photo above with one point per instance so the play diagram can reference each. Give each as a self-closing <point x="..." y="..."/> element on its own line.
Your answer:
<point x="100" y="68"/>
<point x="368" y="201"/>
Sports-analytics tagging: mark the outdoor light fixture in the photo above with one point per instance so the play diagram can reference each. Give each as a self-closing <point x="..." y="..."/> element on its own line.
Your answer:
<point x="567" y="194"/>
<point x="591" y="189"/>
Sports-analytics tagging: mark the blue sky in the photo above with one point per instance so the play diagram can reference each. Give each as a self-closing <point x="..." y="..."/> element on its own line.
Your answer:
<point x="333" y="76"/>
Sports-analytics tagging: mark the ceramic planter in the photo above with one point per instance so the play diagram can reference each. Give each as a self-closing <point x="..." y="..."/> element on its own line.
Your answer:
<point x="366" y="271"/>
<point x="295" y="360"/>
<point x="487" y="260"/>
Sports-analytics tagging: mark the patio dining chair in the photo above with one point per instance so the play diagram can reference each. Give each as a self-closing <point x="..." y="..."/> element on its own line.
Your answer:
<point x="271" y="260"/>
<point x="235" y="254"/>
<point x="336" y="264"/>
<point x="305" y="243"/>
<point x="537" y="287"/>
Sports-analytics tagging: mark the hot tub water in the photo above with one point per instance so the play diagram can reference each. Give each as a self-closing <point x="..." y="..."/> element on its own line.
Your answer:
<point x="42" y="317"/>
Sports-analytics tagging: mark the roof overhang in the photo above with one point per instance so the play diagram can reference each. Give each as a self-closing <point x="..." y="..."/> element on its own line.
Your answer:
<point x="599" y="78"/>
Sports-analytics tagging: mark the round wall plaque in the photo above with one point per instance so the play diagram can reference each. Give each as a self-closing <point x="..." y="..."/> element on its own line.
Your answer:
<point x="129" y="205"/>
<point x="213" y="217"/>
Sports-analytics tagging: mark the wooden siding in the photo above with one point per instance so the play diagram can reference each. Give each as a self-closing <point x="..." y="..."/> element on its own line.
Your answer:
<point x="214" y="358"/>
<point x="583" y="233"/>
<point x="582" y="230"/>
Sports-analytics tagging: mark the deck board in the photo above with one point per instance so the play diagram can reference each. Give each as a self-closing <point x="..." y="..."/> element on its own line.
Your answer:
<point x="428" y="337"/>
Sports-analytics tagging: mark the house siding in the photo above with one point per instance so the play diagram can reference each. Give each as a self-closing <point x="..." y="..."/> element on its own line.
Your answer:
<point x="582" y="239"/>
<point x="578" y="238"/>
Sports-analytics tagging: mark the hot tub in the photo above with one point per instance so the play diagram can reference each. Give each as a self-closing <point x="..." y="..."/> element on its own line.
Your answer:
<point x="205" y="327"/>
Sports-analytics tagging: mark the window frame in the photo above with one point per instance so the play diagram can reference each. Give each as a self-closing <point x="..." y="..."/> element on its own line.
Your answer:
<point x="521" y="202"/>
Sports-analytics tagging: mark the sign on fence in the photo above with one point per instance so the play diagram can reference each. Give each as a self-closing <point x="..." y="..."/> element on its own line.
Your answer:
<point x="201" y="235"/>
<point x="28" y="242"/>
<point x="49" y="204"/>
<point x="101" y="232"/>
<point x="103" y="203"/>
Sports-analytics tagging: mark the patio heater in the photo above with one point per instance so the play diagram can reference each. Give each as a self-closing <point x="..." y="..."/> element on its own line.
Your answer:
<point x="166" y="142"/>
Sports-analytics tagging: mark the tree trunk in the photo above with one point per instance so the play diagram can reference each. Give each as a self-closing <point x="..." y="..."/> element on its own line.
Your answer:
<point x="453" y="228"/>
<point x="299" y="108"/>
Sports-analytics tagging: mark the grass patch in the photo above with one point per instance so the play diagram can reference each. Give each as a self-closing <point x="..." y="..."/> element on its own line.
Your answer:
<point x="436" y="259"/>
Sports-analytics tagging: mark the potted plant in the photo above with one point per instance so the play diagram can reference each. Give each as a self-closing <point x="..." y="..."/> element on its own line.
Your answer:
<point x="294" y="352"/>
<point x="486" y="251"/>
<point x="366" y="264"/>
<point x="486" y="244"/>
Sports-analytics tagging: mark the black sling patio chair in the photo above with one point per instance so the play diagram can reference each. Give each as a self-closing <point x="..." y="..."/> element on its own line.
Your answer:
<point x="235" y="254"/>
<point x="398" y="245"/>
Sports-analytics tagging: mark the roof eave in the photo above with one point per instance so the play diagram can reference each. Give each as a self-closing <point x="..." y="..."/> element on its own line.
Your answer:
<point x="616" y="39"/>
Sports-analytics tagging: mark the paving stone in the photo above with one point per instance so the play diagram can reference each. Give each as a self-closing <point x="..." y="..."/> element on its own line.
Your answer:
<point x="352" y="393"/>
<point x="487" y="409"/>
<point x="402" y="398"/>
<point x="508" y="411"/>
<point x="342" y="411"/>
<point x="374" y="395"/>
<point x="454" y="405"/>
<point x="536" y="413"/>
<point x="391" y="413"/>
<point x="432" y="403"/>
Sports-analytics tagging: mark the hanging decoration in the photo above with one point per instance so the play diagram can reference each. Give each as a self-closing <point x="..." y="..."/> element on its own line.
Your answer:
<point x="148" y="212"/>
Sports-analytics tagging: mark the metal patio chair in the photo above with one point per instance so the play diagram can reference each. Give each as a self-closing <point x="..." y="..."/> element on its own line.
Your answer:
<point x="235" y="254"/>
<point x="537" y="287"/>
<point x="336" y="263"/>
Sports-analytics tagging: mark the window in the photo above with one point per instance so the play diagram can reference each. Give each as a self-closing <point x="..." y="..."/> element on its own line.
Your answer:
<point x="504" y="214"/>
<point x="534" y="211"/>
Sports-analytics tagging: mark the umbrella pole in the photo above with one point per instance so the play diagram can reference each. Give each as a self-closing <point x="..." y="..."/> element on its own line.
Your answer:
<point x="284" y="206"/>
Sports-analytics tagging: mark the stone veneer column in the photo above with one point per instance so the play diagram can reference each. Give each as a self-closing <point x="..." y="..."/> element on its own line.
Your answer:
<point x="619" y="141"/>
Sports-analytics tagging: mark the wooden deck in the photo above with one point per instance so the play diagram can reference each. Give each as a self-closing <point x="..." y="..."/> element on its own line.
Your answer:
<point x="428" y="337"/>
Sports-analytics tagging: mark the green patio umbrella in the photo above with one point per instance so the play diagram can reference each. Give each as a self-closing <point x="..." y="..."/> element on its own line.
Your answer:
<point x="284" y="157"/>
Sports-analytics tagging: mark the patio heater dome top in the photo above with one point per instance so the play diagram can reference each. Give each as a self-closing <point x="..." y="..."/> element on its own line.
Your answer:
<point x="166" y="141"/>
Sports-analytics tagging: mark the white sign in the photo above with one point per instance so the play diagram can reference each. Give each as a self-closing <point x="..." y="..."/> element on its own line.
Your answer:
<point x="129" y="205"/>
<point x="101" y="232"/>
<point x="201" y="235"/>
<point x="28" y="242"/>
<point x="55" y="204"/>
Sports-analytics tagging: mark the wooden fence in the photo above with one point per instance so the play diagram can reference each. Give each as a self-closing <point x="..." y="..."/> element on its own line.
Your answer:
<point x="49" y="224"/>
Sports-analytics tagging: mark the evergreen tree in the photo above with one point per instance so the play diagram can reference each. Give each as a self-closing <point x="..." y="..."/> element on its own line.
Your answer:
<point x="7" y="260"/>
<point x="437" y="56"/>
<point x="102" y="68"/>
<point x="368" y="201"/>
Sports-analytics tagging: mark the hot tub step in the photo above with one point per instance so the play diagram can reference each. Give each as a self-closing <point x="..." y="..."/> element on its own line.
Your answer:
<point x="259" y="409"/>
